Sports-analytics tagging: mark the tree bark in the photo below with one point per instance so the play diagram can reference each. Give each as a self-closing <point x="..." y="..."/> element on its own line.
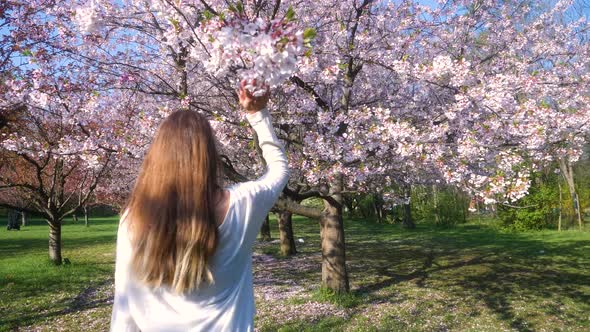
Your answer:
<point x="560" y="205"/>
<point x="298" y="209"/>
<point x="334" y="272"/>
<point x="265" y="230"/>
<point x="437" y="219"/>
<point x="568" y="175"/>
<point x="55" y="242"/>
<point x="85" y="216"/>
<point x="13" y="222"/>
<point x="23" y="217"/>
<point x="408" y="221"/>
<point x="378" y="207"/>
<point x="286" y="233"/>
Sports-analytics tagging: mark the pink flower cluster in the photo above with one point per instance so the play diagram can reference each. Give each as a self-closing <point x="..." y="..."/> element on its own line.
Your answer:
<point x="260" y="51"/>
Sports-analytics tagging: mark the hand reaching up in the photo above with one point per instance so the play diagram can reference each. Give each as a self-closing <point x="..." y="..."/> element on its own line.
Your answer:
<point x="249" y="102"/>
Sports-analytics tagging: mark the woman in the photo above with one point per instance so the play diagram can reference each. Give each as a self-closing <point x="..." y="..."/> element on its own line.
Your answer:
<point x="184" y="245"/>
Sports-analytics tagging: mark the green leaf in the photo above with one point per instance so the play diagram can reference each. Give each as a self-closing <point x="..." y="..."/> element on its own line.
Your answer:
<point x="290" y="15"/>
<point x="175" y="24"/>
<point x="309" y="34"/>
<point x="240" y="7"/>
<point x="283" y="40"/>
<point x="207" y="14"/>
<point x="27" y="52"/>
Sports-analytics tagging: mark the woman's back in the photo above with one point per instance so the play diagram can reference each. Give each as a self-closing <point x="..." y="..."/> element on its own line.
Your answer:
<point x="228" y="303"/>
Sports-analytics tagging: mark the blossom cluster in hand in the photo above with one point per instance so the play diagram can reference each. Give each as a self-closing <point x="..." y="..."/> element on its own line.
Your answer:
<point x="258" y="50"/>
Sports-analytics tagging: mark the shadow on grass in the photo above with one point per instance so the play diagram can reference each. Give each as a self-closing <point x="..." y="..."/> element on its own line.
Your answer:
<point x="85" y="300"/>
<point x="474" y="261"/>
<point x="38" y="290"/>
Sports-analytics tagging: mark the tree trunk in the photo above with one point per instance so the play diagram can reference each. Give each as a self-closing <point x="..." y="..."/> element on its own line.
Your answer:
<point x="286" y="233"/>
<point x="437" y="218"/>
<point x="13" y="220"/>
<point x="23" y="218"/>
<point x="408" y="221"/>
<point x="568" y="175"/>
<point x="334" y="273"/>
<point x="378" y="206"/>
<point x="85" y="216"/>
<point x="576" y="202"/>
<point x="560" y="206"/>
<point x="74" y="218"/>
<point x="265" y="230"/>
<point x="55" y="242"/>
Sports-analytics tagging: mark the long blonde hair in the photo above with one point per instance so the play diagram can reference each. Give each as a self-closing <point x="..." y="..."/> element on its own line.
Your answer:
<point x="172" y="207"/>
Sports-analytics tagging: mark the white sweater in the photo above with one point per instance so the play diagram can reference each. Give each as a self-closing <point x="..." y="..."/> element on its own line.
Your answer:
<point x="228" y="304"/>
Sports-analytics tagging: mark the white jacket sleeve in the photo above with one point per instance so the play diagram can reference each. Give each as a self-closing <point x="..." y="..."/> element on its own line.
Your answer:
<point x="121" y="319"/>
<point x="257" y="197"/>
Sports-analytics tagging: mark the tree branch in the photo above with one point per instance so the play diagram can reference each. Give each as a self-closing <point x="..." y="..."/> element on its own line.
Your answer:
<point x="306" y="211"/>
<point x="308" y="88"/>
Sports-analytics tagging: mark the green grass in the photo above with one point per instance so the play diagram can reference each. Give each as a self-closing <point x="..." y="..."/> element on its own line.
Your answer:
<point x="343" y="300"/>
<point x="33" y="291"/>
<point x="472" y="277"/>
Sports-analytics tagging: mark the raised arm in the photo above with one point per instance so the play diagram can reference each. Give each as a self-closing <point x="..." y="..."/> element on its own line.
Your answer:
<point x="277" y="172"/>
<point x="257" y="197"/>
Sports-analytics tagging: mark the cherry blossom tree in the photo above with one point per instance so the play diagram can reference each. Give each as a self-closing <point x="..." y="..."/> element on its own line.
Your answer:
<point x="368" y="96"/>
<point x="57" y="139"/>
<point x="392" y="93"/>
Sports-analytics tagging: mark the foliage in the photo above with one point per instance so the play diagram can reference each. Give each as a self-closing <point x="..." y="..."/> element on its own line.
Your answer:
<point x="413" y="93"/>
<point x="582" y="177"/>
<point x="538" y="210"/>
<point x="366" y="206"/>
<point x="442" y="206"/>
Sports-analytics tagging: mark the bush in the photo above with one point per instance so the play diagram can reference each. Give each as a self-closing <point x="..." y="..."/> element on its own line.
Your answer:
<point x="444" y="206"/>
<point x="538" y="210"/>
<point x="366" y="206"/>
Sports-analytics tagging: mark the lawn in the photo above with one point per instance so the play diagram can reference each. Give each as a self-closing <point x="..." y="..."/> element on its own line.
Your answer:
<point x="471" y="277"/>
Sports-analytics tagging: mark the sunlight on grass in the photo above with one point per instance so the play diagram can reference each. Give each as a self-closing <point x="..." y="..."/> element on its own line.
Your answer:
<point x="344" y="300"/>
<point x="472" y="277"/>
<point x="39" y="290"/>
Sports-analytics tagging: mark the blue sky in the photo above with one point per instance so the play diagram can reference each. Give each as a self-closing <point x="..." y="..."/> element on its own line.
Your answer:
<point x="583" y="5"/>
